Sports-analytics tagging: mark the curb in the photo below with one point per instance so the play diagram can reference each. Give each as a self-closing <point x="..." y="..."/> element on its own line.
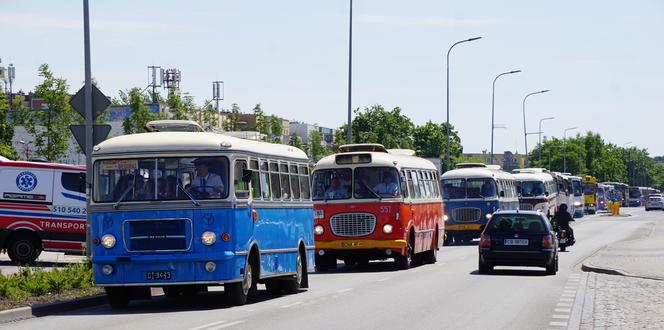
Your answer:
<point x="612" y="271"/>
<point x="39" y="310"/>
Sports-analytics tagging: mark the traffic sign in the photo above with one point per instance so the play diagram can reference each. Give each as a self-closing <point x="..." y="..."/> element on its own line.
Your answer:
<point x="99" y="102"/>
<point x="100" y="132"/>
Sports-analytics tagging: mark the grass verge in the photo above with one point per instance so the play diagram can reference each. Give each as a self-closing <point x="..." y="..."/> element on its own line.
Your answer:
<point x="33" y="285"/>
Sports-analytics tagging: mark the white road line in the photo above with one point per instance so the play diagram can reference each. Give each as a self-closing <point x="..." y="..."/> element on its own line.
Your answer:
<point x="570" y="291"/>
<point x="208" y="325"/>
<point x="566" y="299"/>
<point x="558" y="324"/>
<point x="227" y="325"/>
<point x="344" y="290"/>
<point x="383" y="279"/>
<point x="562" y="310"/>
<point x="571" y="288"/>
<point x="564" y="304"/>
<point x="291" y="305"/>
<point x="561" y="316"/>
<point x="569" y="295"/>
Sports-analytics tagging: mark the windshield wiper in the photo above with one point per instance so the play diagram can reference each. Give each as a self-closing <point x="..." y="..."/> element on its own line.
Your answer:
<point x="372" y="191"/>
<point x="193" y="200"/>
<point x="122" y="197"/>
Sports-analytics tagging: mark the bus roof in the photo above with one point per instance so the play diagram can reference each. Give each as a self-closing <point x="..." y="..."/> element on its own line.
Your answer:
<point x="533" y="176"/>
<point x="389" y="158"/>
<point x="178" y="142"/>
<point x="476" y="172"/>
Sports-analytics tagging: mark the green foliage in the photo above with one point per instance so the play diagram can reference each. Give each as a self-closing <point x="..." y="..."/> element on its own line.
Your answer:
<point x="276" y="129"/>
<point x="177" y="107"/>
<point x="51" y="127"/>
<point x="296" y="141"/>
<point x="140" y="113"/>
<point x="316" y="148"/>
<point x="430" y="140"/>
<point x="262" y="125"/>
<point x="6" y="128"/>
<point x="35" y="282"/>
<point x="389" y="128"/>
<point x="232" y="120"/>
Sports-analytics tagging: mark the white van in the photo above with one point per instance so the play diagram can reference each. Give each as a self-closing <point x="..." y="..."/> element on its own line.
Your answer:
<point x="42" y="207"/>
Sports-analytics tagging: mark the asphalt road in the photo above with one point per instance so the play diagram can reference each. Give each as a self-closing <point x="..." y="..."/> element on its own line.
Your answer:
<point x="449" y="294"/>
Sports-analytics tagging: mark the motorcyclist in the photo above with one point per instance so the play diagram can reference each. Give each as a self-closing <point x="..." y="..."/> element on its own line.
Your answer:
<point x="562" y="219"/>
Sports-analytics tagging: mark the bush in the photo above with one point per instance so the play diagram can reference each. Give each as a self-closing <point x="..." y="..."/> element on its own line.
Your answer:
<point x="34" y="282"/>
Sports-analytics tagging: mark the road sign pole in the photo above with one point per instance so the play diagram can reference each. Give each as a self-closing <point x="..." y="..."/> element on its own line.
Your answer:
<point x="88" y="123"/>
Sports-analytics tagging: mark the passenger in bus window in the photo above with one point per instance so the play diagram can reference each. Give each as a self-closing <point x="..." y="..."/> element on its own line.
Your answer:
<point x="320" y="192"/>
<point x="148" y="190"/>
<point x="387" y="187"/>
<point x="206" y="184"/>
<point x="336" y="190"/>
<point x="488" y="189"/>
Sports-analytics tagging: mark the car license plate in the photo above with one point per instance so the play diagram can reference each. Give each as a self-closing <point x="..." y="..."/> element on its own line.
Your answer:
<point x="158" y="275"/>
<point x="563" y="240"/>
<point x="514" y="241"/>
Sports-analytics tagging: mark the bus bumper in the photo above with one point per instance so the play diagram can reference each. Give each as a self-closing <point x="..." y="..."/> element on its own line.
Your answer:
<point x="360" y="244"/>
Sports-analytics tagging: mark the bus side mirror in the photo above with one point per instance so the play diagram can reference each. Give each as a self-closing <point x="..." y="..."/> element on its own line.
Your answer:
<point x="246" y="175"/>
<point x="502" y="193"/>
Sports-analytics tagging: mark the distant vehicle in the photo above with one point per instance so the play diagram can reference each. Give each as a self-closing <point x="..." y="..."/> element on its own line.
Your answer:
<point x="537" y="189"/>
<point x="590" y="193"/>
<point x="472" y="192"/>
<point x="187" y="210"/>
<point x="621" y="189"/>
<point x="372" y="203"/>
<point x="518" y="238"/>
<point x="634" y="196"/>
<point x="601" y="196"/>
<point x="646" y="192"/>
<point x="42" y="208"/>
<point x="654" y="203"/>
<point x="575" y="198"/>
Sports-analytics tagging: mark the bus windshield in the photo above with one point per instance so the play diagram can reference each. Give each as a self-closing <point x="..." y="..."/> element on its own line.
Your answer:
<point x="468" y="188"/>
<point x="577" y="188"/>
<point x="531" y="188"/>
<point x="634" y="193"/>
<point x="332" y="184"/>
<point x="372" y="182"/>
<point x="588" y="189"/>
<point x="146" y="179"/>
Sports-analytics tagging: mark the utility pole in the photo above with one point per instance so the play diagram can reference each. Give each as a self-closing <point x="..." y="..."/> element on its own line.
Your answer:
<point x="218" y="95"/>
<point x="88" y="120"/>
<point x="350" y="70"/>
<point x="156" y="74"/>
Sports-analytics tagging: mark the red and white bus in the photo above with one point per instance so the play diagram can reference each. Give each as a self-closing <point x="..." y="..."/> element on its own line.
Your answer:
<point x="371" y="203"/>
<point x="42" y="207"/>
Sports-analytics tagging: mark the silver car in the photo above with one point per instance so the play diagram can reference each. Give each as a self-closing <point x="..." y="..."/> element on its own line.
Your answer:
<point x="654" y="203"/>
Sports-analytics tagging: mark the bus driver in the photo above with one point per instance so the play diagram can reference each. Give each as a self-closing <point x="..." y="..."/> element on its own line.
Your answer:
<point x="206" y="183"/>
<point x="387" y="187"/>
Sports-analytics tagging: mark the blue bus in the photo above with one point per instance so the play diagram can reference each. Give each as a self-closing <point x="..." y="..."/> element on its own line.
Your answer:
<point x="187" y="210"/>
<point x="472" y="192"/>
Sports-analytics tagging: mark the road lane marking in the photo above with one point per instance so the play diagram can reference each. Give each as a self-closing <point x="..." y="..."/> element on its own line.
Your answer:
<point x="569" y="295"/>
<point x="561" y="316"/>
<point x="566" y="299"/>
<point x="291" y="305"/>
<point x="558" y="324"/>
<point x="209" y="325"/>
<point x="569" y="291"/>
<point x="344" y="290"/>
<point x="383" y="279"/>
<point x="564" y="304"/>
<point x="562" y="310"/>
<point x="227" y="325"/>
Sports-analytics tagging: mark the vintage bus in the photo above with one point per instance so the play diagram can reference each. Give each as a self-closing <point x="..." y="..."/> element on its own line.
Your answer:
<point x="622" y="190"/>
<point x="187" y="210"/>
<point x="634" y="196"/>
<point x="537" y="190"/>
<point x="472" y="192"/>
<point x="602" y="194"/>
<point x="590" y="193"/>
<point x="371" y="203"/>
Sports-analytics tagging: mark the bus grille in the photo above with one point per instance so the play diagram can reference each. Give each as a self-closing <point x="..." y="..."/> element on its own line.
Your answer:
<point x="157" y="235"/>
<point x="353" y="224"/>
<point x="525" y="207"/>
<point x="467" y="214"/>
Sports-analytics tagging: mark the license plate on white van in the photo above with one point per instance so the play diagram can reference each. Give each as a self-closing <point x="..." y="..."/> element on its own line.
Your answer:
<point x="514" y="241"/>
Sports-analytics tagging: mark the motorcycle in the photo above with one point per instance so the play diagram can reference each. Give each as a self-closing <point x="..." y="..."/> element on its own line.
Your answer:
<point x="564" y="238"/>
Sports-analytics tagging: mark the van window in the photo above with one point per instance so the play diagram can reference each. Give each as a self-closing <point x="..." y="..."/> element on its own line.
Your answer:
<point x="73" y="181"/>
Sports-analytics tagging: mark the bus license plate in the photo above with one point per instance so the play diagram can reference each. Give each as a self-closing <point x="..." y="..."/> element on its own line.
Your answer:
<point x="512" y="241"/>
<point x="158" y="275"/>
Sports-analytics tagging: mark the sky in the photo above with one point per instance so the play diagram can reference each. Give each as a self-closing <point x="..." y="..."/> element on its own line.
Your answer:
<point x="602" y="60"/>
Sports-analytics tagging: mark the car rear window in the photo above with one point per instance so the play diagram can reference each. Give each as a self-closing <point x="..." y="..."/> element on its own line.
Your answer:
<point x="516" y="223"/>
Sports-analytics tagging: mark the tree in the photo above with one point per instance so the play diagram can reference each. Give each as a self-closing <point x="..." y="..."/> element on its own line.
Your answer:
<point x="295" y="141"/>
<point x="208" y="117"/>
<point x="6" y="127"/>
<point x="315" y="146"/>
<point x="262" y="126"/>
<point x="430" y="140"/>
<point x="50" y="127"/>
<point x="389" y="128"/>
<point x="140" y="114"/>
<point x="276" y="129"/>
<point x="232" y="121"/>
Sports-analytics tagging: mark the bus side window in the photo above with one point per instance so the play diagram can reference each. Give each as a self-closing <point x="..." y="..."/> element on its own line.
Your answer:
<point x="255" y="179"/>
<point x="416" y="184"/>
<point x="404" y="183"/>
<point x="411" y="187"/>
<point x="285" y="182"/>
<point x="294" y="182"/>
<point x="275" y="182"/>
<point x="241" y="187"/>
<point x="265" y="181"/>
<point x="305" y="185"/>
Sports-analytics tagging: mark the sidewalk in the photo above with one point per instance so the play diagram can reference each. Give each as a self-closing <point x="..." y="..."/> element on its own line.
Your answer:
<point x="642" y="257"/>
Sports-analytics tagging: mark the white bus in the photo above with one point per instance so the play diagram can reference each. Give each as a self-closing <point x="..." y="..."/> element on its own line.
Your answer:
<point x="537" y="190"/>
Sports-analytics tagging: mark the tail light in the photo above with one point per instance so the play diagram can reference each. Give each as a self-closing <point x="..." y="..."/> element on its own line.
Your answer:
<point x="547" y="242"/>
<point x="563" y="233"/>
<point x="485" y="241"/>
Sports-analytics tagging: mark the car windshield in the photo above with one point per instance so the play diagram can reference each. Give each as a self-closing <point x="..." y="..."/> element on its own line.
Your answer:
<point x="468" y="188"/>
<point x="332" y="184"/>
<point x="588" y="189"/>
<point x="577" y="188"/>
<point x="655" y="199"/>
<point x="146" y="179"/>
<point x="531" y="188"/>
<point x="373" y="182"/>
<point x="516" y="223"/>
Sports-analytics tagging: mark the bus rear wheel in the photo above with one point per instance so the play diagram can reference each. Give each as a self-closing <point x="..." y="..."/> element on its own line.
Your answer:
<point x="23" y="248"/>
<point x="294" y="284"/>
<point x="431" y="256"/>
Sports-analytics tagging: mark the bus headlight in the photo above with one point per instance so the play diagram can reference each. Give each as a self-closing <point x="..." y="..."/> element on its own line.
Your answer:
<point x="488" y="216"/>
<point x="318" y="230"/>
<point x="387" y="229"/>
<point x="445" y="217"/>
<point x="108" y="241"/>
<point x="577" y="204"/>
<point x="107" y="270"/>
<point x="208" y="238"/>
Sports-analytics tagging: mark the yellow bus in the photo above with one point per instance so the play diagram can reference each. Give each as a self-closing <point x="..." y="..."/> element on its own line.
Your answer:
<point x="590" y="193"/>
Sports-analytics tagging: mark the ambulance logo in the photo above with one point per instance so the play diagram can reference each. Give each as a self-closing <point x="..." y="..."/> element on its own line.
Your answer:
<point x="26" y="181"/>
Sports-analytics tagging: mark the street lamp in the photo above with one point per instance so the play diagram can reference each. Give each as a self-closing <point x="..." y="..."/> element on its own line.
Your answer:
<point x="565" y="148"/>
<point x="540" y="135"/>
<point x="525" y="134"/>
<point x="493" y="93"/>
<point x="447" y="152"/>
<point x="350" y="68"/>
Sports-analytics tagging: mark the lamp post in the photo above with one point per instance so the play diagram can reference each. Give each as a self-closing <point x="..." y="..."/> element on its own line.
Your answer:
<point x="447" y="144"/>
<point x="630" y="176"/>
<point x="565" y="148"/>
<point x="350" y="68"/>
<point x="525" y="134"/>
<point x="493" y="94"/>
<point x="540" y="135"/>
